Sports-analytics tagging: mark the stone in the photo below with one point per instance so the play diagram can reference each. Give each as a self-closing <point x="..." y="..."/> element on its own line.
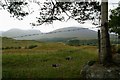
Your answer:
<point x="68" y="58"/>
<point x="90" y="63"/>
<point x="55" y="65"/>
<point x="98" y="71"/>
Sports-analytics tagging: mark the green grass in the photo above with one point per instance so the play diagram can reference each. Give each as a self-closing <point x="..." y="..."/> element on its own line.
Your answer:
<point x="8" y="42"/>
<point x="37" y="62"/>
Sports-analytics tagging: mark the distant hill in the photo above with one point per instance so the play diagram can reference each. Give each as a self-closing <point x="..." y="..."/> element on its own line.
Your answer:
<point x="76" y="32"/>
<point x="56" y="35"/>
<point x="1" y="33"/>
<point x="18" y="32"/>
<point x="63" y="33"/>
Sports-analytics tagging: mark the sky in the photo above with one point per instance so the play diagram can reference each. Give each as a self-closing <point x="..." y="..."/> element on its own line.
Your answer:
<point x="7" y="22"/>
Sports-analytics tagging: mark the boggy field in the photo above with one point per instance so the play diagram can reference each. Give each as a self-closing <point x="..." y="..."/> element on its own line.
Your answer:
<point x="32" y="59"/>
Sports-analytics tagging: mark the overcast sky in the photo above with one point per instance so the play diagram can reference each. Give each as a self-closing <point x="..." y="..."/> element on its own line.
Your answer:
<point x="7" y="22"/>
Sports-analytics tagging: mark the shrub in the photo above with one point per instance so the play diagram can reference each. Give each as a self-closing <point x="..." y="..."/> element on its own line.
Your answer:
<point x="11" y="47"/>
<point x="19" y="47"/>
<point x="115" y="49"/>
<point x="15" y="47"/>
<point x="7" y="48"/>
<point x="73" y="42"/>
<point x="32" y="46"/>
<point x="3" y="48"/>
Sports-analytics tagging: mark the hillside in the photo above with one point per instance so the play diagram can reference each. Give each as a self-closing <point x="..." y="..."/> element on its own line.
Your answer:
<point x="46" y="60"/>
<point x="71" y="32"/>
<point x="63" y="33"/>
<point x="12" y="43"/>
<point x="18" y="32"/>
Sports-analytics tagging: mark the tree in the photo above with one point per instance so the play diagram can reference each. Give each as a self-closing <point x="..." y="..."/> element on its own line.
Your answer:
<point x="15" y="8"/>
<point x="114" y="22"/>
<point x="52" y="10"/>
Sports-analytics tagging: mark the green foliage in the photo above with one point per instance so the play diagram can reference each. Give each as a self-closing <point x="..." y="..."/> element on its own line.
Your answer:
<point x="73" y="42"/>
<point x="118" y="49"/>
<point x="7" y="48"/>
<point x="114" y="22"/>
<point x="92" y="42"/>
<point x="116" y="41"/>
<point x="115" y="48"/>
<point x="32" y="46"/>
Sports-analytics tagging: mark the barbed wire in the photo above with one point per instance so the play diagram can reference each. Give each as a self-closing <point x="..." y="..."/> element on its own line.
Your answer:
<point x="114" y="3"/>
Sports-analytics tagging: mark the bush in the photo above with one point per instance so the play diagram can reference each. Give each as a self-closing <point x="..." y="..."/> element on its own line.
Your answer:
<point x="11" y="47"/>
<point x="32" y="46"/>
<point x="7" y="48"/>
<point x="73" y="42"/>
<point x="19" y="47"/>
<point x="115" y="49"/>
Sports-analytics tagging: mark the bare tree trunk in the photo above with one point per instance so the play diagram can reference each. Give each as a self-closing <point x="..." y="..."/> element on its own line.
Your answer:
<point x="105" y="55"/>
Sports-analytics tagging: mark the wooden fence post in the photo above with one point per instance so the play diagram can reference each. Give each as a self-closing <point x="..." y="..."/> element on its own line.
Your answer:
<point x="99" y="46"/>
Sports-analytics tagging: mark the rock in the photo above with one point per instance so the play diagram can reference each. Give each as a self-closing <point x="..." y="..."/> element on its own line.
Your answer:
<point x="55" y="65"/>
<point x="90" y="63"/>
<point x="98" y="71"/>
<point x="68" y="58"/>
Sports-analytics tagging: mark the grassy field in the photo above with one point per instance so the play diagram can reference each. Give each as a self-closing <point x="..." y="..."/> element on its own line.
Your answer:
<point x="47" y="60"/>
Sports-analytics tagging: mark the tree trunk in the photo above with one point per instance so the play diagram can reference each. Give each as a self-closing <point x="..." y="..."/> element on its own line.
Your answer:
<point x="105" y="53"/>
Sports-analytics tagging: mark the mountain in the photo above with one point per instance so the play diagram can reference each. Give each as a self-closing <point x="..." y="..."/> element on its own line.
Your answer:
<point x="59" y="34"/>
<point x="80" y="33"/>
<point x="62" y="34"/>
<point x="1" y="33"/>
<point x="18" y="32"/>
